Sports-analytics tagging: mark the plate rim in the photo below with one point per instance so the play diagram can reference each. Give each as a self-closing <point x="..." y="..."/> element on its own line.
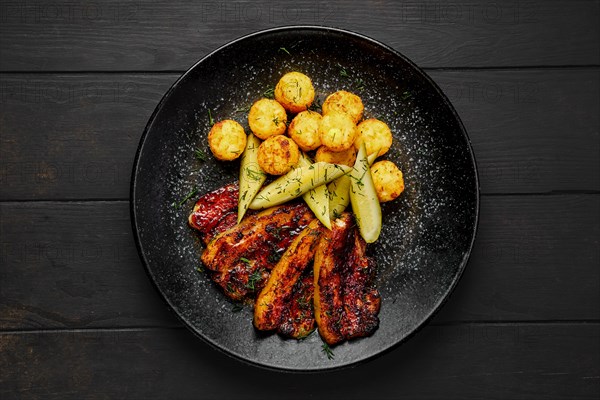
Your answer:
<point x="443" y="299"/>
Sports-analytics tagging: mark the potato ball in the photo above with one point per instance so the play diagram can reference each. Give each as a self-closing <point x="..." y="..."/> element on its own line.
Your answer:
<point x="227" y="140"/>
<point x="337" y="131"/>
<point x="278" y="154"/>
<point x="295" y="92"/>
<point x="346" y="157"/>
<point x="267" y="118"/>
<point x="304" y="129"/>
<point x="345" y="102"/>
<point x="388" y="180"/>
<point x="376" y="135"/>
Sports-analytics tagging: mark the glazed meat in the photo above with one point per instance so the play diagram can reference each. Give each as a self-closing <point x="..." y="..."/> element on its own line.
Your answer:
<point x="346" y="301"/>
<point x="285" y="301"/>
<point x="298" y="317"/>
<point x="241" y="257"/>
<point x="215" y="212"/>
<point x="304" y="274"/>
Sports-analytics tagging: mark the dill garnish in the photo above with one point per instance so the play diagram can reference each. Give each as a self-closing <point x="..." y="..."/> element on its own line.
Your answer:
<point x="269" y="93"/>
<point x="253" y="279"/>
<point x="327" y="350"/>
<point x="211" y="121"/>
<point x="200" y="155"/>
<point x="186" y="198"/>
<point x="237" y="308"/>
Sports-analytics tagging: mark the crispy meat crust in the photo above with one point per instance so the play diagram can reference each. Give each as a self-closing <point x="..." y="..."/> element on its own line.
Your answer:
<point x="242" y="256"/>
<point x="215" y="212"/>
<point x="345" y="299"/>
<point x="271" y="254"/>
<point x="275" y="298"/>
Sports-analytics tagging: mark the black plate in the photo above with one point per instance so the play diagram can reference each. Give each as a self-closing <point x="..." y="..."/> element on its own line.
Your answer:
<point x="428" y="232"/>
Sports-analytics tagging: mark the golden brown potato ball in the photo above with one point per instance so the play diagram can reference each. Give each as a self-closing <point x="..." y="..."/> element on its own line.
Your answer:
<point x="388" y="180"/>
<point x="278" y="154"/>
<point x="227" y="140"/>
<point x="267" y="118"/>
<point x="304" y="129"/>
<point x="346" y="157"/>
<point x="376" y="135"/>
<point x="337" y="131"/>
<point x="345" y="102"/>
<point x="295" y="92"/>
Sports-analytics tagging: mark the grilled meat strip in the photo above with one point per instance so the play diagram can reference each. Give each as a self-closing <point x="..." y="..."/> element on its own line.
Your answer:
<point x="298" y="317"/>
<point x="241" y="257"/>
<point x="275" y="299"/>
<point x="215" y="212"/>
<point x="346" y="301"/>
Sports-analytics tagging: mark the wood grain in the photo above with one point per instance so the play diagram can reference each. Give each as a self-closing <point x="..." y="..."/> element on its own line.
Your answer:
<point x="70" y="136"/>
<point x="155" y="35"/>
<point x="74" y="265"/>
<point x="526" y="361"/>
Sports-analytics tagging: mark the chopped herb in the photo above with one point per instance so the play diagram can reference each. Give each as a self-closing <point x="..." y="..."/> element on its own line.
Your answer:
<point x="186" y="198"/>
<point x="244" y="110"/>
<point x="269" y="93"/>
<point x="336" y="214"/>
<point x="211" y="121"/>
<point x="316" y="105"/>
<point x="343" y="72"/>
<point x="302" y="302"/>
<point x="406" y="95"/>
<point x="199" y="269"/>
<point x="237" y="308"/>
<point x="245" y="260"/>
<point x="285" y="50"/>
<point x="254" y="175"/>
<point x="200" y="155"/>
<point x="276" y="121"/>
<point x="327" y="350"/>
<point x="360" y="85"/>
<point x="253" y="279"/>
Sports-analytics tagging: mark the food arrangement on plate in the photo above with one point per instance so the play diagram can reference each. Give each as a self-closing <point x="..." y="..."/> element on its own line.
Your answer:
<point x="283" y="238"/>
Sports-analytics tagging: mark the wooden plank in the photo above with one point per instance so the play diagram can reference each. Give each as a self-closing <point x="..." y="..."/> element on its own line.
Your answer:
<point x="158" y="35"/>
<point x="497" y="361"/>
<point x="74" y="265"/>
<point x="532" y="130"/>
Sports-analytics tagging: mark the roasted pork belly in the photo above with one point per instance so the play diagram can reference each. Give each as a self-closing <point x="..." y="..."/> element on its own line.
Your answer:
<point x="241" y="257"/>
<point x="285" y="297"/>
<point x="215" y="212"/>
<point x="346" y="301"/>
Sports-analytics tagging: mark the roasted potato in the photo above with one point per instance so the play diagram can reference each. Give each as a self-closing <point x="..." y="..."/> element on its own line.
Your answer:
<point x="267" y="118"/>
<point x="376" y="135"/>
<point x="295" y="92"/>
<point x="227" y="140"/>
<point x="304" y="130"/>
<point x="388" y="180"/>
<point x="345" y="102"/>
<point x="346" y="157"/>
<point x="337" y="131"/>
<point x="278" y="154"/>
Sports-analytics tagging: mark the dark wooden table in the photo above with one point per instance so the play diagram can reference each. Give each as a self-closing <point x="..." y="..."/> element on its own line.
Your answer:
<point x="79" y="318"/>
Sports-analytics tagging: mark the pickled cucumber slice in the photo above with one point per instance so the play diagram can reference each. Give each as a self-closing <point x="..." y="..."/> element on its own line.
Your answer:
<point x="363" y="198"/>
<point x="339" y="192"/>
<point x="317" y="199"/>
<point x="251" y="176"/>
<point x="297" y="182"/>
